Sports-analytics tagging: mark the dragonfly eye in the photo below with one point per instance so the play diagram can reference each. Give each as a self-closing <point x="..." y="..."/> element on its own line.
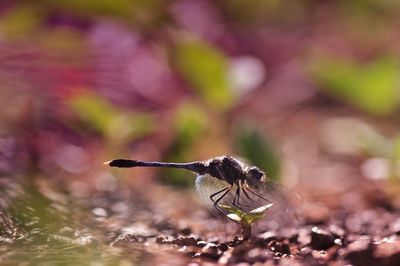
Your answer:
<point x="254" y="175"/>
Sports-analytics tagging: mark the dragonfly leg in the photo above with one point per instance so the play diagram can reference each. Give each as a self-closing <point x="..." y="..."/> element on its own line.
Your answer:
<point x="255" y="193"/>
<point x="235" y="201"/>
<point x="224" y="191"/>
<point x="218" y="192"/>
<point x="235" y="198"/>
<point x="240" y="188"/>
<point x="247" y="194"/>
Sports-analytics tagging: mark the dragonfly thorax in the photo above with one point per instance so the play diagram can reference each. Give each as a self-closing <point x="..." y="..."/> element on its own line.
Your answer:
<point x="232" y="171"/>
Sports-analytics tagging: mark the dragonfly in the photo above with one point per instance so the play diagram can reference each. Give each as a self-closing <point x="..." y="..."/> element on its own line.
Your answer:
<point x="226" y="180"/>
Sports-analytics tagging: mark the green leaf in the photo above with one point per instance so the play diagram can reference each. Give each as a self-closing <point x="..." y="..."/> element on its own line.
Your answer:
<point x="93" y="109"/>
<point x="120" y="8"/>
<point x="396" y="147"/>
<point x="232" y="209"/>
<point x="371" y="87"/>
<point x="252" y="217"/>
<point x="205" y="67"/>
<point x="128" y="126"/>
<point x="20" y="21"/>
<point x="190" y="122"/>
<point x="244" y="218"/>
<point x="353" y="136"/>
<point x="234" y="217"/>
<point x="117" y="125"/>
<point x="262" y="209"/>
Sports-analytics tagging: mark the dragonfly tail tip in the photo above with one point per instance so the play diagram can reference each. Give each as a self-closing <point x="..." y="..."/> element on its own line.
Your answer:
<point x="108" y="163"/>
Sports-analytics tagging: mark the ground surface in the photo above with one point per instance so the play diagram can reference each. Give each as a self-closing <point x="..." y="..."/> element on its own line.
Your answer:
<point x="344" y="218"/>
<point x="41" y="227"/>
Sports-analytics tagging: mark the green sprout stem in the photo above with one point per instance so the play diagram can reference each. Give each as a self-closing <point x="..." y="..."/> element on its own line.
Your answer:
<point x="245" y="219"/>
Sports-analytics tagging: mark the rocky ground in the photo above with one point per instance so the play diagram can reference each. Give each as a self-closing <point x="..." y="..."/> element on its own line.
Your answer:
<point x="366" y="237"/>
<point x="44" y="225"/>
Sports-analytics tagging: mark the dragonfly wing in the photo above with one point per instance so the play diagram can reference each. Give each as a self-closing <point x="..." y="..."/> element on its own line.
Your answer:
<point x="284" y="199"/>
<point x="281" y="197"/>
<point x="206" y="185"/>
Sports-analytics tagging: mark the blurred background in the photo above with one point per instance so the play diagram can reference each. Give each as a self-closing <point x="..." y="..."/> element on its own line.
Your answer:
<point x="306" y="90"/>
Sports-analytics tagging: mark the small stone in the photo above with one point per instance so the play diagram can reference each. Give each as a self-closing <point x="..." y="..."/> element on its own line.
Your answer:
<point x="190" y="241"/>
<point x="160" y="239"/>
<point x="124" y="240"/>
<point x="99" y="212"/>
<point x="362" y="243"/>
<point x="279" y="247"/>
<point x="164" y="240"/>
<point x="236" y="241"/>
<point x="139" y="230"/>
<point x="185" y="241"/>
<point x="222" y="246"/>
<point x="185" y="231"/>
<point x="294" y="238"/>
<point x="211" y="246"/>
<point x="268" y="236"/>
<point x="321" y="239"/>
<point x="338" y="242"/>
<point x="210" y="251"/>
<point x="278" y="254"/>
<point x="361" y="252"/>
<point x="388" y="247"/>
<point x="201" y="243"/>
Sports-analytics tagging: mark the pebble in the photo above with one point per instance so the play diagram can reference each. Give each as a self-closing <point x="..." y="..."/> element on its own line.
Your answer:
<point x="280" y="247"/>
<point x="321" y="239"/>
<point x="222" y="246"/>
<point x="210" y="251"/>
<point x="185" y="241"/>
<point x="267" y="236"/>
<point x="236" y="241"/>
<point x="124" y="240"/>
<point x="160" y="239"/>
<point x="201" y="243"/>
<point x="388" y="247"/>
<point x="185" y="231"/>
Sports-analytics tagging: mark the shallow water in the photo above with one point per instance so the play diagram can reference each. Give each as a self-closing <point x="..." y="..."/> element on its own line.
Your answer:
<point x="41" y="225"/>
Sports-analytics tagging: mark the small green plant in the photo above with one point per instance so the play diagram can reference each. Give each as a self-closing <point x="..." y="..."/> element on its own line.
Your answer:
<point x="245" y="219"/>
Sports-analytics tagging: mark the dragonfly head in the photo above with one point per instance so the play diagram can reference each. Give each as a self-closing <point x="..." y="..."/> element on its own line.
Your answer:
<point x="254" y="175"/>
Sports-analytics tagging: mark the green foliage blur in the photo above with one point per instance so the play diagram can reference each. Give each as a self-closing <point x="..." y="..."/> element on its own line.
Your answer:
<point x="206" y="68"/>
<point x="185" y="78"/>
<point x="371" y="87"/>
